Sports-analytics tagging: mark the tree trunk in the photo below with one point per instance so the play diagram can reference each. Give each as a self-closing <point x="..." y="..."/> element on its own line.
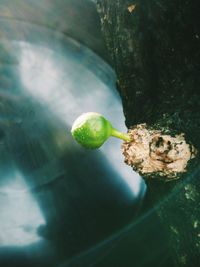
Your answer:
<point x="155" y="50"/>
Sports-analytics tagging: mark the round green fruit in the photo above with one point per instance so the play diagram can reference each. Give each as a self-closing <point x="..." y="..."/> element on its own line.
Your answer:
<point x="91" y="130"/>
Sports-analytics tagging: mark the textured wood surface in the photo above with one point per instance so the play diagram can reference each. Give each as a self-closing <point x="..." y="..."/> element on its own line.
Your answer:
<point x="155" y="50"/>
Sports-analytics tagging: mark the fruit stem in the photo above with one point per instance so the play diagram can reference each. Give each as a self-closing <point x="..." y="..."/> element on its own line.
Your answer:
<point x="120" y="135"/>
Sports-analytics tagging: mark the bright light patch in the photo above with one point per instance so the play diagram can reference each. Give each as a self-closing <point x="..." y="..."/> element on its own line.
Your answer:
<point x="39" y="74"/>
<point x="20" y="215"/>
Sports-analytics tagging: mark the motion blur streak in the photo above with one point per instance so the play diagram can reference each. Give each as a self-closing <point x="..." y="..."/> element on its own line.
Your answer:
<point x="73" y="78"/>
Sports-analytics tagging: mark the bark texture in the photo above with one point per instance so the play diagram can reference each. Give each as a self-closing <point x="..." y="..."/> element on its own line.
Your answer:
<point x="155" y="50"/>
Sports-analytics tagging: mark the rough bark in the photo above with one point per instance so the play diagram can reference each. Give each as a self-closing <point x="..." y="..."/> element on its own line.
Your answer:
<point x="155" y="50"/>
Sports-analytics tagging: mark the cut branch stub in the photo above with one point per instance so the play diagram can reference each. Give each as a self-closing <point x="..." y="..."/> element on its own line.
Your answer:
<point x="154" y="154"/>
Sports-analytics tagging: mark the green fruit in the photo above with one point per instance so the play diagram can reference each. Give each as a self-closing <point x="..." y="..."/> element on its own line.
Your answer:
<point x="91" y="130"/>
